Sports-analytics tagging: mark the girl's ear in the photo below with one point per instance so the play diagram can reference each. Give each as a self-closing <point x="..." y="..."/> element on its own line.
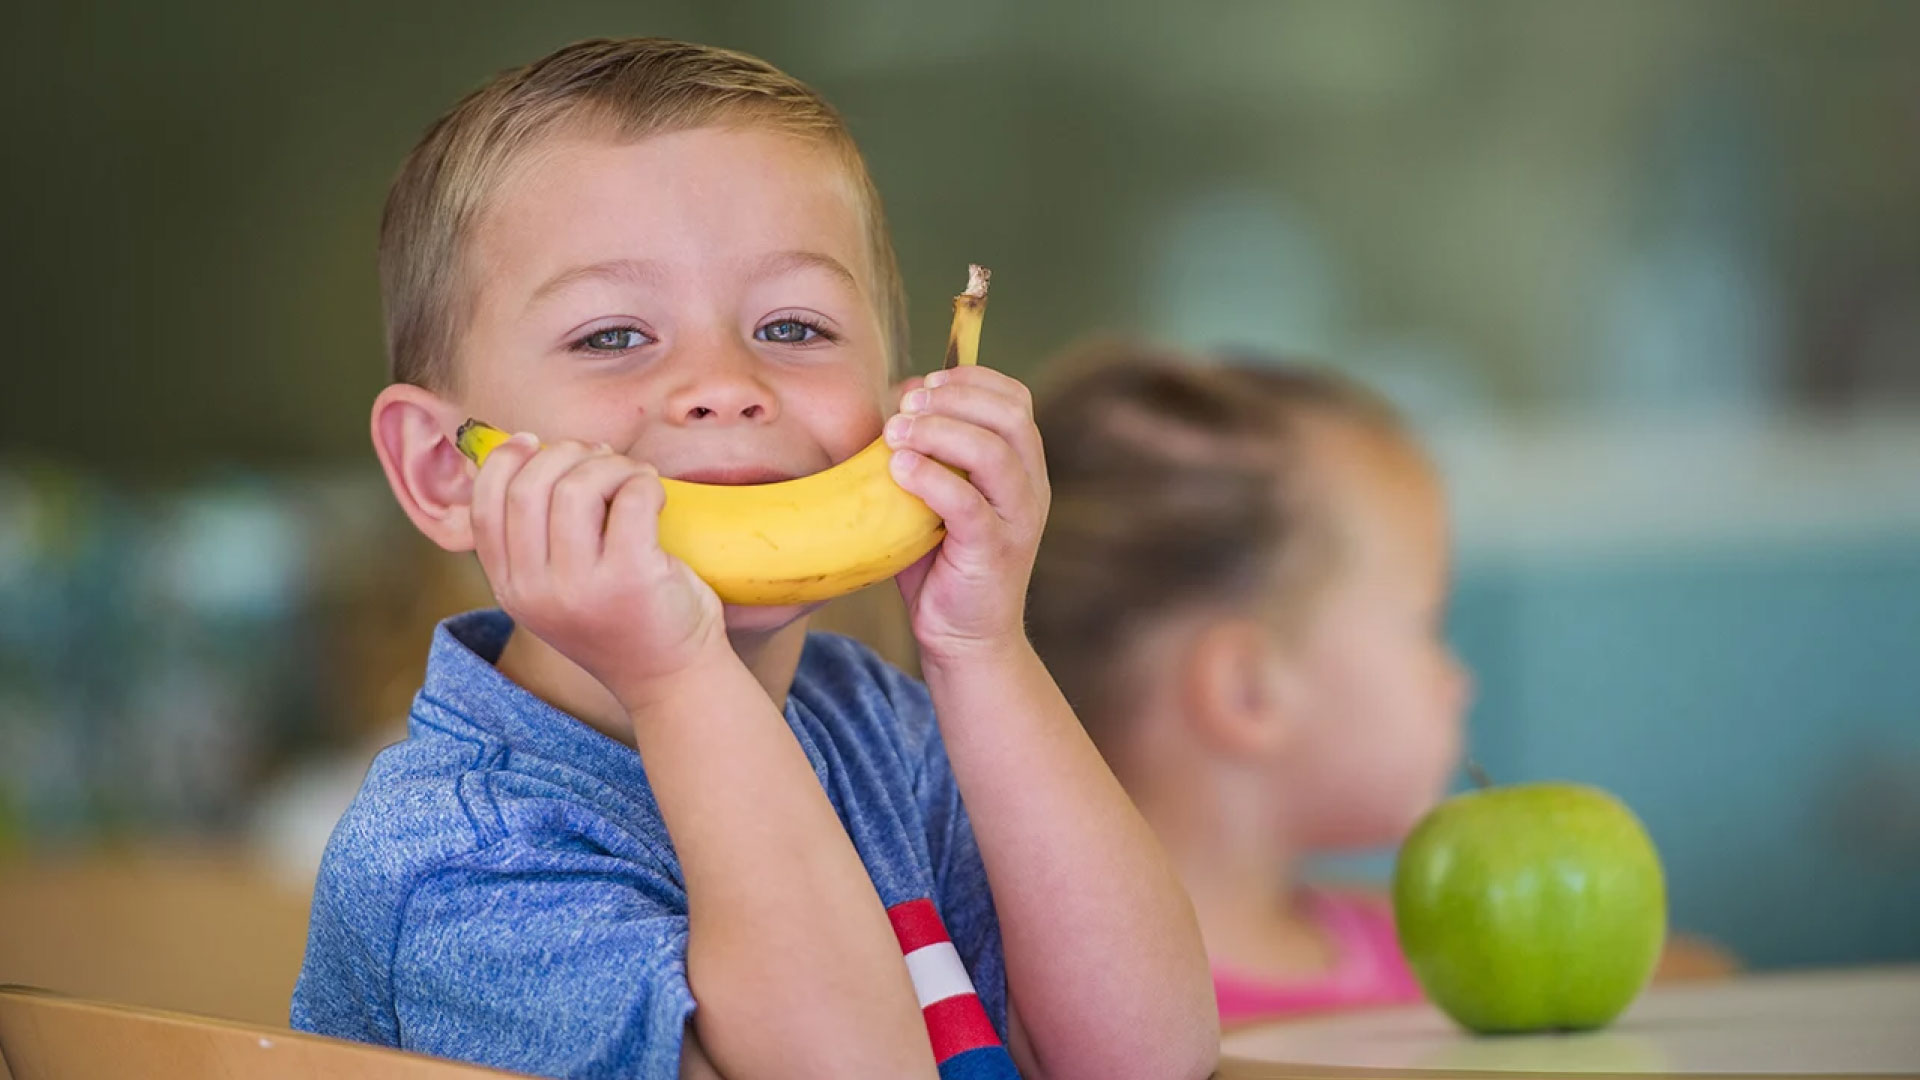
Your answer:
<point x="1241" y="693"/>
<point x="413" y="436"/>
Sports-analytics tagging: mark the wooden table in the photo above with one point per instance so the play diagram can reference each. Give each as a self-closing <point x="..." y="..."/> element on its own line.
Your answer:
<point x="1853" y="1022"/>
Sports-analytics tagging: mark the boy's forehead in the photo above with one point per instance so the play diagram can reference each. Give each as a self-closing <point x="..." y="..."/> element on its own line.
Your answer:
<point x="676" y="201"/>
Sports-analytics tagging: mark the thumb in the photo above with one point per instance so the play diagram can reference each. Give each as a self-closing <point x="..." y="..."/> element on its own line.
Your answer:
<point x="914" y="578"/>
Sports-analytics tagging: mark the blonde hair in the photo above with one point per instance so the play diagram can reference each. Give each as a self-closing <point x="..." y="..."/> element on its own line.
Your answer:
<point x="1179" y="484"/>
<point x="630" y="89"/>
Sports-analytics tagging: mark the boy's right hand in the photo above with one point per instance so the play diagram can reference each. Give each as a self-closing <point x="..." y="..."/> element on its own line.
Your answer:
<point x="568" y="536"/>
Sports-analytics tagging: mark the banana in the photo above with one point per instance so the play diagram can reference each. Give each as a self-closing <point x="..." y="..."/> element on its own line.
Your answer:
<point x="803" y="540"/>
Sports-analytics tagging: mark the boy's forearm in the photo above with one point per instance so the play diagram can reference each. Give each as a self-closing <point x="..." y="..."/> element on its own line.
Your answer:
<point x="1105" y="963"/>
<point x="793" y="964"/>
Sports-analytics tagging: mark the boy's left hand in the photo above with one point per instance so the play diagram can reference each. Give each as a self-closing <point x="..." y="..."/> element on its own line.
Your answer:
<point x="969" y="595"/>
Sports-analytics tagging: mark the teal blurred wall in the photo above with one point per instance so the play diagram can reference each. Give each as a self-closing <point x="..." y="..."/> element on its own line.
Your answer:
<point x="1759" y="710"/>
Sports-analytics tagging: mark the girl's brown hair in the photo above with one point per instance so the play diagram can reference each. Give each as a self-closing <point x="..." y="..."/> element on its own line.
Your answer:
<point x="1179" y="484"/>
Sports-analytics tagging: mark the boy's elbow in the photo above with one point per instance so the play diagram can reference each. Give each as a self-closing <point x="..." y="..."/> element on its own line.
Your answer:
<point x="1192" y="1049"/>
<point x="1186" y="1041"/>
<point x="1198" y="1054"/>
<point x="750" y="1025"/>
<point x="1192" y="1054"/>
<point x="1179" y="1043"/>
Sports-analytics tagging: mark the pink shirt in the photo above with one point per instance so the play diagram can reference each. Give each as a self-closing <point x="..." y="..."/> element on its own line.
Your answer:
<point x="1368" y="969"/>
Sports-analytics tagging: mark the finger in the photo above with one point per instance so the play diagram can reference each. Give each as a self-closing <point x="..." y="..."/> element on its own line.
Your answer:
<point x="530" y="504"/>
<point x="991" y="465"/>
<point x="1004" y="414"/>
<point x="913" y="577"/>
<point x="633" y="517"/>
<point x="577" y="527"/>
<point x="970" y="518"/>
<point x="488" y="508"/>
<point x="982" y="378"/>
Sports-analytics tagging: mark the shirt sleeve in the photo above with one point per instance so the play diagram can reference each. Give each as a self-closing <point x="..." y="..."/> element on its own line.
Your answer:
<point x="556" y="965"/>
<point x="961" y="892"/>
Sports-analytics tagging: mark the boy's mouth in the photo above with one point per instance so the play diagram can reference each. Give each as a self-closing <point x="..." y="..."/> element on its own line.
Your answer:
<point x="734" y="475"/>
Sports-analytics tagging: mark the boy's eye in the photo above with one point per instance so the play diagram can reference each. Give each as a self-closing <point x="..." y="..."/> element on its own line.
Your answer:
<point x="613" y="339"/>
<point x="789" y="332"/>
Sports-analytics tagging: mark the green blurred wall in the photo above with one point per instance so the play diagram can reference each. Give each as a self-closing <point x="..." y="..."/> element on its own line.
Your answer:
<point x="192" y="189"/>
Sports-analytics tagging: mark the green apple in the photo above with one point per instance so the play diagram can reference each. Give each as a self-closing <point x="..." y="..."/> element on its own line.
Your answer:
<point x="1531" y="907"/>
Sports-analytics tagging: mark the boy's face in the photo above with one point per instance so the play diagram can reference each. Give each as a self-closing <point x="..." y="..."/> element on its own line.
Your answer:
<point x="701" y="300"/>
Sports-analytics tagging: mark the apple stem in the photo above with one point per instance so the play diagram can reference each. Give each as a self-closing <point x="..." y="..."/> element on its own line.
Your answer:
<point x="1478" y="775"/>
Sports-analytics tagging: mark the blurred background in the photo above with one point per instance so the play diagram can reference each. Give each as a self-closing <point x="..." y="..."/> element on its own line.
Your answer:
<point x="1646" y="273"/>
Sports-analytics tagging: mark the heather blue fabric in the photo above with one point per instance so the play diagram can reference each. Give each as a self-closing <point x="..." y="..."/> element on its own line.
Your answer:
<point x="503" y="890"/>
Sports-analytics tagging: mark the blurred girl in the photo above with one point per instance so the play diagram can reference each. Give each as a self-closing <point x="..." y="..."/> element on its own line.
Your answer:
<point x="1242" y="590"/>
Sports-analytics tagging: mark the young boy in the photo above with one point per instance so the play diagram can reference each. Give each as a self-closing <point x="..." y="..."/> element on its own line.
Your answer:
<point x="633" y="832"/>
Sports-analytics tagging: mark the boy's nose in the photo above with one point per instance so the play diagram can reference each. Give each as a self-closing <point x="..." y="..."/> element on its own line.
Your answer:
<point x="722" y="394"/>
<point x="720" y="409"/>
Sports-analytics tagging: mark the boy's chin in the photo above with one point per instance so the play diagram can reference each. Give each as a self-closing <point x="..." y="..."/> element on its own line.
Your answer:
<point x="743" y="619"/>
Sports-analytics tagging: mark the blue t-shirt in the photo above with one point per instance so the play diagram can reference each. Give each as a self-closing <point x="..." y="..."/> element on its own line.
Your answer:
<point x="503" y="889"/>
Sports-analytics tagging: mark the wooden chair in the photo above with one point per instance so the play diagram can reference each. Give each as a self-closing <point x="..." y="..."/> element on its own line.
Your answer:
<point x="48" y="1036"/>
<point x="205" y="932"/>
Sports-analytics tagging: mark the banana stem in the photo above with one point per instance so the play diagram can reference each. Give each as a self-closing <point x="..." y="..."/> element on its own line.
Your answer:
<point x="477" y="438"/>
<point x="969" y="308"/>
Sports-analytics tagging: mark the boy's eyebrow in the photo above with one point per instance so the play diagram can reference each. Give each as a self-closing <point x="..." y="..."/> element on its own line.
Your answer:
<point x="646" y="270"/>
<point x="612" y="269"/>
<point x="781" y="262"/>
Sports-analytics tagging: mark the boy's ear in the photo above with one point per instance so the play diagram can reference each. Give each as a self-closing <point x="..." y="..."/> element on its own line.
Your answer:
<point x="413" y="435"/>
<point x="1241" y="696"/>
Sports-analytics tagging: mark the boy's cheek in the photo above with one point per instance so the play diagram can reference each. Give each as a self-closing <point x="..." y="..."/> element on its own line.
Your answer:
<point x="851" y="426"/>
